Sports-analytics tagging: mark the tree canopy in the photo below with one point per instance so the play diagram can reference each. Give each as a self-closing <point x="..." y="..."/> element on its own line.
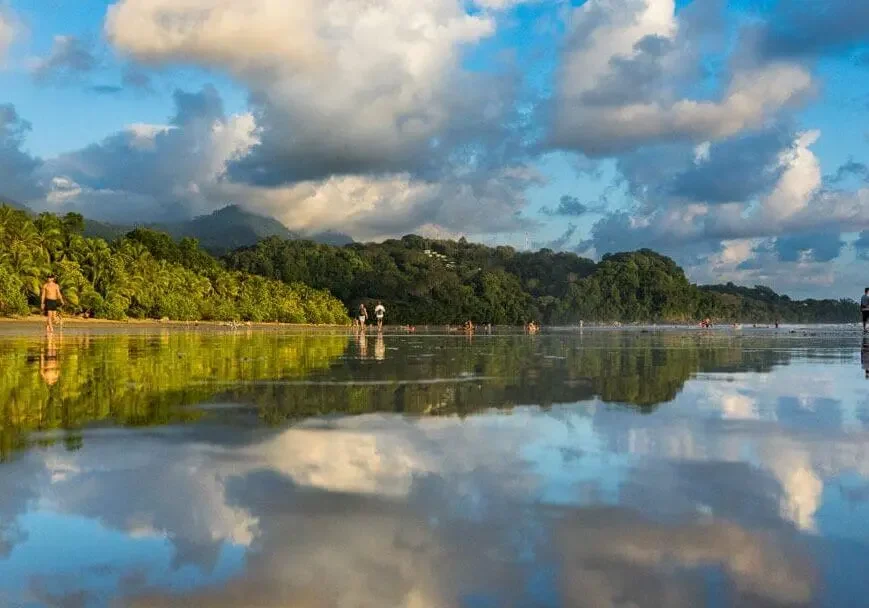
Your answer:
<point x="426" y="281"/>
<point x="145" y="274"/>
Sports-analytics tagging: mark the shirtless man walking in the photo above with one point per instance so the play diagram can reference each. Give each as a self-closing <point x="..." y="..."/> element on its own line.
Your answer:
<point x="52" y="300"/>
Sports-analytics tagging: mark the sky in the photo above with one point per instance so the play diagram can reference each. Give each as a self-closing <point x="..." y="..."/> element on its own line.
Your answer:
<point x="731" y="136"/>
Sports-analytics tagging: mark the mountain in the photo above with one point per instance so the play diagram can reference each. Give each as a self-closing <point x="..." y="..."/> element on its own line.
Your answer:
<point x="227" y="229"/>
<point x="14" y="204"/>
<point x="220" y="232"/>
<point x="330" y="237"/>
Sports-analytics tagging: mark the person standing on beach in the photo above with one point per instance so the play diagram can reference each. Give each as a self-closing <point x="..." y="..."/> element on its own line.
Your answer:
<point x="51" y="301"/>
<point x="363" y="316"/>
<point x="864" y="308"/>
<point x="379" y="312"/>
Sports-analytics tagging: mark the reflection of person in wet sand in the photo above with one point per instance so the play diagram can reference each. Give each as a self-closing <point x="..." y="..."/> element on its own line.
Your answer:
<point x="864" y="356"/>
<point x="362" y="344"/>
<point x="51" y="300"/>
<point x="49" y="366"/>
<point x="379" y="347"/>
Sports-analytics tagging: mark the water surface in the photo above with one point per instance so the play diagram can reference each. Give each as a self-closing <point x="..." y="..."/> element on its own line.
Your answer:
<point x="225" y="468"/>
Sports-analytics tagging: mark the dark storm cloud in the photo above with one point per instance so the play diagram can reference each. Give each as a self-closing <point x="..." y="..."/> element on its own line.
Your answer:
<point x="560" y="242"/>
<point x="204" y="105"/>
<point x="145" y="174"/>
<point x="17" y="167"/>
<point x="807" y="28"/>
<point x="567" y="206"/>
<point x="70" y="58"/>
<point x="736" y="169"/>
<point x="633" y="79"/>
<point x="106" y="89"/>
<point x="861" y="245"/>
<point x="817" y="247"/>
<point x="134" y="78"/>
<point x="732" y="170"/>
<point x="848" y="170"/>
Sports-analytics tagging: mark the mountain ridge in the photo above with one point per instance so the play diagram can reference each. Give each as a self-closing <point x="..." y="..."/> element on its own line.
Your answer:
<point x="218" y="232"/>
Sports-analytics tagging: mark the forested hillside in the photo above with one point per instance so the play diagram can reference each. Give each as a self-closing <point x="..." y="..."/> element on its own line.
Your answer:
<point x="220" y="232"/>
<point x="144" y="274"/>
<point x="148" y="274"/>
<point x="425" y="281"/>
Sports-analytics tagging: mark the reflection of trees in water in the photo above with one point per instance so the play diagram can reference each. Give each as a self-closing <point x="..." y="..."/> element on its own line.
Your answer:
<point x="138" y="380"/>
<point x="141" y="380"/>
<point x="636" y="369"/>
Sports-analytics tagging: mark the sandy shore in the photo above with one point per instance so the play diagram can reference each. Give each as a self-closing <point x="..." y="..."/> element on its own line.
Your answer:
<point x="40" y="319"/>
<point x="36" y="323"/>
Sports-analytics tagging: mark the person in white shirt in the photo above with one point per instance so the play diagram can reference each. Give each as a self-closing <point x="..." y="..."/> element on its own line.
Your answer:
<point x="379" y="313"/>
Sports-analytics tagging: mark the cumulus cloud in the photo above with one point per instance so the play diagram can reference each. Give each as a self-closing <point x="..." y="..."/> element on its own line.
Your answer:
<point x="364" y="87"/>
<point x="624" y="65"/>
<point x="179" y="169"/>
<point x="712" y="177"/>
<point x="157" y="171"/>
<point x="70" y="57"/>
<point x="777" y="223"/>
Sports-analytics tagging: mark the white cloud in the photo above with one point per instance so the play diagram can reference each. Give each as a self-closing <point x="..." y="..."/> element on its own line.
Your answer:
<point x="180" y="169"/>
<point x="701" y="152"/>
<point x="62" y="189"/>
<point x="798" y="183"/>
<point x="358" y="84"/>
<point x="618" y="85"/>
<point x="391" y="205"/>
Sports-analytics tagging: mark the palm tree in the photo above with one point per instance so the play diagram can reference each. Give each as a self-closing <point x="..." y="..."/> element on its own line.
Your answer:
<point x="96" y="263"/>
<point x="49" y="235"/>
<point x="31" y="269"/>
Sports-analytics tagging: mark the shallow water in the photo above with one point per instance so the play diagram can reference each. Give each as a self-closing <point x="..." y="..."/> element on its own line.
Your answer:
<point x="185" y="468"/>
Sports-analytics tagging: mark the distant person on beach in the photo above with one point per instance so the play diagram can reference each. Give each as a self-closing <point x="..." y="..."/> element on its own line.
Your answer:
<point x="363" y="315"/>
<point x="51" y="301"/>
<point x="379" y="312"/>
<point x="864" y="308"/>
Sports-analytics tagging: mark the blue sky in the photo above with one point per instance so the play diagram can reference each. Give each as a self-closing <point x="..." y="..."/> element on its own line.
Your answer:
<point x="729" y="135"/>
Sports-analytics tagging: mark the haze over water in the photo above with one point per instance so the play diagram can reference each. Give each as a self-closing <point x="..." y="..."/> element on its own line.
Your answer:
<point x="226" y="468"/>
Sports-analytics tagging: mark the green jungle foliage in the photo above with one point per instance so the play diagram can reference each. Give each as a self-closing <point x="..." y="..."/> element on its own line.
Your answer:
<point x="145" y="274"/>
<point x="422" y="281"/>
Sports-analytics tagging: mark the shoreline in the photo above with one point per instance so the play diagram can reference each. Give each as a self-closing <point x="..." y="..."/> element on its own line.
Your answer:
<point x="82" y="322"/>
